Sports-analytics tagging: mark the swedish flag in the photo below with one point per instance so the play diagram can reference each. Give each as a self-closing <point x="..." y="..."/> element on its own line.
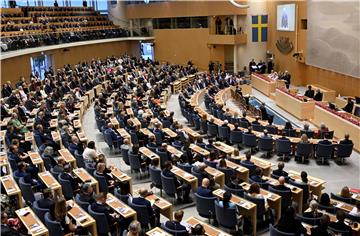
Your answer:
<point x="259" y="28"/>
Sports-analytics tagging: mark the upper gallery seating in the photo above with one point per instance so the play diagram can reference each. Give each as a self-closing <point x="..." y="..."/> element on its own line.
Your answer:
<point x="38" y="26"/>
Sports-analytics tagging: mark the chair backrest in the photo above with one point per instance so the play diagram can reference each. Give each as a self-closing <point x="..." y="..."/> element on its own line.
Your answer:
<point x="307" y="220"/>
<point x="134" y="161"/>
<point x="53" y="226"/>
<point x="304" y="149"/>
<point x="226" y="217"/>
<point x="155" y="176"/>
<point x="228" y="173"/>
<point x="103" y="186"/>
<point x="257" y="127"/>
<point x="102" y="225"/>
<point x="40" y="212"/>
<point x="353" y="217"/>
<point x="90" y="168"/>
<point x="329" y="134"/>
<point x="329" y="209"/>
<point x="249" y="140"/>
<point x="303" y="186"/>
<point x="236" y="136"/>
<point x="210" y="163"/>
<point x="339" y="232"/>
<point x="283" y="146"/>
<point x="13" y="163"/>
<point x="125" y="155"/>
<point x="271" y="129"/>
<point x="251" y="167"/>
<point x="342" y="199"/>
<point x="66" y="187"/>
<point x="212" y="129"/>
<point x="108" y="139"/>
<point x="344" y="150"/>
<point x="168" y="185"/>
<point x="260" y="204"/>
<point x="324" y="150"/>
<point x="158" y="137"/>
<point x="153" y="149"/>
<point x="285" y="197"/>
<point x="142" y="213"/>
<point x="38" y="140"/>
<point x="83" y="205"/>
<point x="223" y="132"/>
<point x="26" y="190"/>
<point x="134" y="137"/>
<point x="122" y="197"/>
<point x="174" y="232"/>
<point x="243" y="124"/>
<point x="265" y="144"/>
<point x="203" y="126"/>
<point x="197" y="175"/>
<point x="163" y="157"/>
<point x="275" y="232"/>
<point x="185" y="167"/>
<point x="205" y="205"/>
<point x="79" y="160"/>
<point x="47" y="162"/>
<point x="237" y="192"/>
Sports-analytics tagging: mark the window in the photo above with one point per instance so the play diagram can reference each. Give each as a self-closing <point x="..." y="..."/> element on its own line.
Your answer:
<point x="164" y="23"/>
<point x="199" y="22"/>
<point x="183" y="22"/>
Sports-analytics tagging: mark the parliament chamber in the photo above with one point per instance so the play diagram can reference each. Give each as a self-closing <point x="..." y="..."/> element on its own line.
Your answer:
<point x="179" y="118"/>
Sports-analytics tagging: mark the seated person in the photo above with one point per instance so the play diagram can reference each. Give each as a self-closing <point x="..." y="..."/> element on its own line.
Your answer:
<point x="87" y="193"/>
<point x="349" y="105"/>
<point x="257" y="177"/>
<point x="288" y="223"/>
<point x="59" y="167"/>
<point x="235" y="182"/>
<point x="318" y="95"/>
<point x="153" y="212"/>
<point x="248" y="159"/>
<point x="346" y="140"/>
<point x="6" y="229"/>
<point x="313" y="212"/>
<point x="66" y="175"/>
<point x="326" y="140"/>
<point x="100" y="170"/>
<point x="325" y="200"/>
<point x="134" y="228"/>
<point x="23" y="172"/>
<point x="198" y="230"/>
<point x="183" y="189"/>
<point x="345" y="192"/>
<point x="340" y="223"/>
<point x="322" y="228"/>
<point x="60" y="215"/>
<point x="226" y="201"/>
<point x="288" y="125"/>
<point x="113" y="218"/>
<point x="204" y="189"/>
<point x="47" y="202"/>
<point x="176" y="224"/>
<point x="356" y="210"/>
<point x="222" y="164"/>
<point x="280" y="170"/>
<point x="309" y="92"/>
<point x="281" y="185"/>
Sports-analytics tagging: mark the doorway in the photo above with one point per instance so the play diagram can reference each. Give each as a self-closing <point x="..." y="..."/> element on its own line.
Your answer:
<point x="40" y="64"/>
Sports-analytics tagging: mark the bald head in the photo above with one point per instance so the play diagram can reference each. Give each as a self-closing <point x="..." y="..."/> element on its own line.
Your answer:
<point x="282" y="180"/>
<point x="205" y="183"/>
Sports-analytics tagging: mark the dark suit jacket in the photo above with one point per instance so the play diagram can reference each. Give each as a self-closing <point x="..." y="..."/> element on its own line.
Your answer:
<point x="73" y="182"/>
<point x="7" y="231"/>
<point x="143" y="202"/>
<point x="86" y="198"/>
<point x="280" y="173"/>
<point x="349" y="107"/>
<point x="318" y="97"/>
<point x="174" y="225"/>
<point x="340" y="226"/>
<point x="257" y="179"/>
<point x="319" y="231"/>
<point x="346" y="142"/>
<point x="311" y="215"/>
<point x="204" y="192"/>
<point x="46" y="203"/>
<point x="309" y="93"/>
<point x="325" y="141"/>
<point x="282" y="188"/>
<point x="101" y="208"/>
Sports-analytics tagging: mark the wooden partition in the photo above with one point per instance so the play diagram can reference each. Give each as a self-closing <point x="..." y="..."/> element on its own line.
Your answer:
<point x="264" y="86"/>
<point x="300" y="109"/>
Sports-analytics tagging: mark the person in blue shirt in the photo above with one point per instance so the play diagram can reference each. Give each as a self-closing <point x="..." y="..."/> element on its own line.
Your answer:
<point x="204" y="189"/>
<point x="226" y="201"/>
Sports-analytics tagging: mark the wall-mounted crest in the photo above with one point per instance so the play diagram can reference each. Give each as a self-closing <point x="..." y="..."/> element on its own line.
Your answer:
<point x="284" y="45"/>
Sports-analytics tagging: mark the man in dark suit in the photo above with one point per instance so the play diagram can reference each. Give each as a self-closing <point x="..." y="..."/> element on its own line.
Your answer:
<point x="47" y="201"/>
<point x="281" y="185"/>
<point x="257" y="177"/>
<point x="234" y="182"/>
<point x="176" y="223"/>
<point x="322" y="228"/>
<point x="318" y="96"/>
<point x="248" y="159"/>
<point x="346" y="140"/>
<point x="349" y="106"/>
<point x="154" y="213"/>
<point x="310" y="92"/>
<point x="280" y="170"/>
<point x="67" y="176"/>
<point x="182" y="189"/>
<point x="59" y="168"/>
<point x="87" y="194"/>
<point x="325" y="140"/>
<point x="340" y="224"/>
<point x="204" y="189"/>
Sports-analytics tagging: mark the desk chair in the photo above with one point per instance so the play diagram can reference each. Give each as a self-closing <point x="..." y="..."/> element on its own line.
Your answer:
<point x="205" y="206"/>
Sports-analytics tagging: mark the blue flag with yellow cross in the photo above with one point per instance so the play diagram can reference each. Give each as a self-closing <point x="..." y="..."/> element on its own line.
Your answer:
<point x="259" y="25"/>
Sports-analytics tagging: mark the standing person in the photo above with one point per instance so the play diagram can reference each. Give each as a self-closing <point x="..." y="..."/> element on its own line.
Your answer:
<point x="84" y="3"/>
<point x="218" y="25"/>
<point x="56" y="4"/>
<point x="251" y="64"/>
